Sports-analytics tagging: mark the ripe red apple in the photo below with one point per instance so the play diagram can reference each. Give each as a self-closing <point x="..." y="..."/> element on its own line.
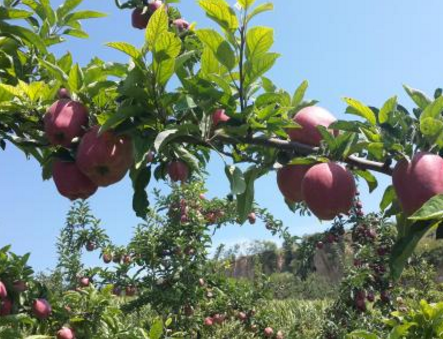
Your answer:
<point x="309" y="118"/>
<point x="139" y="18"/>
<point x="105" y="158"/>
<point x="131" y="291"/>
<point x="90" y="246"/>
<point x="41" y="308"/>
<point x="5" y="307"/>
<point x="154" y="5"/>
<point x="3" y="291"/>
<point x="66" y="333"/>
<point x="252" y="218"/>
<point x="417" y="181"/>
<point x="84" y="282"/>
<point x="219" y="318"/>
<point x="328" y="189"/>
<point x="71" y="182"/>
<point x="219" y="116"/>
<point x="178" y="171"/>
<point x="209" y="321"/>
<point x="63" y="93"/>
<point x="64" y="121"/>
<point x="107" y="258"/>
<point x="20" y="286"/>
<point x="242" y="316"/>
<point x="181" y="24"/>
<point x="268" y="332"/>
<point x="289" y="180"/>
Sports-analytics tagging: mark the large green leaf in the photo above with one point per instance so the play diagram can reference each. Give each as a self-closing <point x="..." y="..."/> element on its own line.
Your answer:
<point x="12" y="13"/>
<point x="219" y="46"/>
<point x="259" y="66"/>
<point x="245" y="4"/>
<point x="420" y="98"/>
<point x="431" y="210"/>
<point x="126" y="48"/>
<point x="164" y="71"/>
<point x="67" y="6"/>
<point x="167" y="46"/>
<point x="358" y="108"/>
<point x="23" y="33"/>
<point x="236" y="179"/>
<point x="245" y="201"/>
<point x="163" y="138"/>
<point x="299" y="94"/>
<point x="140" y="180"/>
<point x="75" y="81"/>
<point x="221" y="13"/>
<point x="369" y="177"/>
<point x="268" y="6"/>
<point x="433" y="110"/>
<point x="388" y="108"/>
<point x="84" y="15"/>
<point x="157" y="25"/>
<point x="258" y="41"/>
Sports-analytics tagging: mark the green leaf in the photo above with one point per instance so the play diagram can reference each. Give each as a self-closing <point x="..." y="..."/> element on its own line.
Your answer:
<point x="75" y="82"/>
<point x="245" y="201"/>
<point x="157" y="25"/>
<point x="126" y="48"/>
<point x="405" y="246"/>
<point x="361" y="334"/>
<point x="236" y="179"/>
<point x="433" y="110"/>
<point x="388" y="108"/>
<point x="12" y="13"/>
<point x="259" y="66"/>
<point x="163" y="138"/>
<point x="167" y="46"/>
<point x="258" y="41"/>
<point x="268" y="6"/>
<point x="388" y="197"/>
<point x="210" y="64"/>
<point x="140" y="180"/>
<point x="23" y="33"/>
<point x="78" y="33"/>
<point x="299" y="94"/>
<point x="221" y="13"/>
<point x="420" y="98"/>
<point x="432" y="129"/>
<point x="245" y="4"/>
<point x="123" y="113"/>
<point x="67" y="6"/>
<point x="84" y="15"/>
<point x="221" y="49"/>
<point x="156" y="330"/>
<point x="369" y="177"/>
<point x="431" y="210"/>
<point x="164" y="71"/>
<point x="56" y="71"/>
<point x="357" y="108"/>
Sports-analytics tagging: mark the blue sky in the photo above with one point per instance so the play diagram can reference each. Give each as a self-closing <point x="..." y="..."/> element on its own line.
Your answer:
<point x="362" y="49"/>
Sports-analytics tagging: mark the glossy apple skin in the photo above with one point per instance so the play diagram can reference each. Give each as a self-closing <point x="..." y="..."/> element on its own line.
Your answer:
<point x="5" y="307"/>
<point x="65" y="120"/>
<point x="289" y="181"/>
<point x="328" y="190"/>
<point x="209" y="321"/>
<point x="71" y="182"/>
<point x="41" y="308"/>
<point x="66" y="333"/>
<point x="139" y="19"/>
<point x="417" y="181"/>
<point x="3" y="291"/>
<point x="178" y="171"/>
<point x="219" y="116"/>
<point x="309" y="118"/>
<point x="105" y="159"/>
<point x="268" y="332"/>
<point x="154" y="5"/>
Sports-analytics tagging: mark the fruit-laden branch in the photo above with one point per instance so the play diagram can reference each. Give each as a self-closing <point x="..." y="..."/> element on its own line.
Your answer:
<point x="297" y="147"/>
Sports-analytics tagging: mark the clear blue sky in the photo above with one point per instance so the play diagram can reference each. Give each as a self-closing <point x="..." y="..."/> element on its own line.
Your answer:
<point x="361" y="49"/>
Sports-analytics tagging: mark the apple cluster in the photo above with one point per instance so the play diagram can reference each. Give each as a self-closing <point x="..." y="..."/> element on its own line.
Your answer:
<point x="101" y="159"/>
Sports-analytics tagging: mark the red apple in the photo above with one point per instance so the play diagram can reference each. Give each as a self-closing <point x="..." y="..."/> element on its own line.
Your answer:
<point x="219" y="116"/>
<point x="268" y="332"/>
<point x="107" y="258"/>
<point x="41" y="308"/>
<point x="3" y="291"/>
<point x="5" y="307"/>
<point x="90" y="246"/>
<point x="20" y="286"/>
<point x="328" y="190"/>
<point x="252" y="218"/>
<point x="209" y="321"/>
<point x="131" y="291"/>
<point x="64" y="121"/>
<point x="289" y="180"/>
<point x="71" y="182"/>
<point x="63" y="93"/>
<point x="66" y="333"/>
<point x="139" y="18"/>
<point x="309" y="118"/>
<point x="154" y="5"/>
<point x="178" y="171"/>
<point x="181" y="24"/>
<point x="242" y="316"/>
<point x="417" y="181"/>
<point x="105" y="158"/>
<point x="84" y="282"/>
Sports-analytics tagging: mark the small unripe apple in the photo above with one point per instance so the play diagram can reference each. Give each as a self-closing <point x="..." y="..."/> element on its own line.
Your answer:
<point x="209" y="321"/>
<point x="328" y="190"/>
<point x="268" y="332"/>
<point x="181" y="24"/>
<point x="309" y="118"/>
<point x="105" y="159"/>
<point x="84" y="282"/>
<point x="178" y="171"/>
<point x="71" y="182"/>
<point x="41" y="308"/>
<point x="65" y="120"/>
<point x="66" y="333"/>
<point x="417" y="181"/>
<point x="289" y="180"/>
<point x="20" y="286"/>
<point x="139" y="18"/>
<point x="5" y="307"/>
<point x="252" y="218"/>
<point x="3" y="291"/>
